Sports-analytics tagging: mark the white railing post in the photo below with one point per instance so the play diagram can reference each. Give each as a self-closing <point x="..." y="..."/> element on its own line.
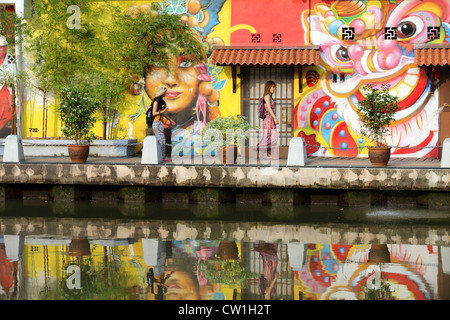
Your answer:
<point x="151" y="151"/>
<point x="297" y="152"/>
<point x="445" y="159"/>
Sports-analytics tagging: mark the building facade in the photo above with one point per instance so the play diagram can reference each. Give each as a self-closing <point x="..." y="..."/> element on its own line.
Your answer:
<point x="319" y="52"/>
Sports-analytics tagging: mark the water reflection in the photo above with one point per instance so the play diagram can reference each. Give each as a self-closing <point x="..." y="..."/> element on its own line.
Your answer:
<point x="78" y="267"/>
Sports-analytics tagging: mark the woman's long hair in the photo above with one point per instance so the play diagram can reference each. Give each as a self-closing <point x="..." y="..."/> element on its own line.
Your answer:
<point x="269" y="85"/>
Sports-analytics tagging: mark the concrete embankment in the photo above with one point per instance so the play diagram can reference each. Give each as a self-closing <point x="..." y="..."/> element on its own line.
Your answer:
<point x="428" y="187"/>
<point x="63" y="228"/>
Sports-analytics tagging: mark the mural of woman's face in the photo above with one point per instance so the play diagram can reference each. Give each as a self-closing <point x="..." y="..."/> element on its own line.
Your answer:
<point x="181" y="81"/>
<point x="181" y="286"/>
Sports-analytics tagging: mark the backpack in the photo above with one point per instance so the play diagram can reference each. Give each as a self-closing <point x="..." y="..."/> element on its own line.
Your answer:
<point x="262" y="112"/>
<point x="149" y="113"/>
<point x="149" y="117"/>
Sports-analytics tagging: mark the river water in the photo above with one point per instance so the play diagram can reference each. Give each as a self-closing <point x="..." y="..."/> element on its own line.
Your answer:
<point x="113" y="251"/>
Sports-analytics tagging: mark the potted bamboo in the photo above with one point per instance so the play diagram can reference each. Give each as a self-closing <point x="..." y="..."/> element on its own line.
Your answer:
<point x="226" y="134"/>
<point x="377" y="110"/>
<point x="76" y="110"/>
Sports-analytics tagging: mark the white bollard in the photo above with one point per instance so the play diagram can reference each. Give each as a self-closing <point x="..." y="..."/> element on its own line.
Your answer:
<point x="297" y="255"/>
<point x="13" y="150"/>
<point x="14" y="247"/>
<point x="152" y="249"/>
<point x="297" y="152"/>
<point x="154" y="255"/>
<point x="445" y="254"/>
<point x="151" y="151"/>
<point x="445" y="159"/>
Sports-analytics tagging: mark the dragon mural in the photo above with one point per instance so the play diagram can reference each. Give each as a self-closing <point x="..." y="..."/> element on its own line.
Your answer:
<point x="340" y="271"/>
<point x="380" y="50"/>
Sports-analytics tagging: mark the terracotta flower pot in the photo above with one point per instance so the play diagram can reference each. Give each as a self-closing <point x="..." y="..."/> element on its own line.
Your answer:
<point x="379" y="156"/>
<point x="78" y="153"/>
<point x="232" y="152"/>
<point x="227" y="250"/>
<point x="79" y="246"/>
<point x="379" y="253"/>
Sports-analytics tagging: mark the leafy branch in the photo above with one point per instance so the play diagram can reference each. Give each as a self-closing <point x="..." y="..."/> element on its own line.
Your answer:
<point x="377" y="111"/>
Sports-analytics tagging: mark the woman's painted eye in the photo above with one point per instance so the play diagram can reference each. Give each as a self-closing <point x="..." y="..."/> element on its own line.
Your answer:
<point x="342" y="54"/>
<point x="185" y="64"/>
<point x="409" y="27"/>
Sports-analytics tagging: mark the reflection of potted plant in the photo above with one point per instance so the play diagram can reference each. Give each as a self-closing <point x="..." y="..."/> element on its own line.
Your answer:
<point x="226" y="272"/>
<point x="377" y="110"/>
<point x="375" y="287"/>
<point x="79" y="246"/>
<point x="382" y="292"/>
<point x="97" y="281"/>
<point x="76" y="110"/>
<point x="379" y="253"/>
<point x="227" y="250"/>
<point x="225" y="134"/>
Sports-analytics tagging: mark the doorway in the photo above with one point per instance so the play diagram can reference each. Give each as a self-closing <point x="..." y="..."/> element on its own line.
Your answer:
<point x="253" y="80"/>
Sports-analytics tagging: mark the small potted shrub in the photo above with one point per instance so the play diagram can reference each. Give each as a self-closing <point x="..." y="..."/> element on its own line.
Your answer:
<point x="232" y="130"/>
<point x="377" y="111"/>
<point x="76" y="110"/>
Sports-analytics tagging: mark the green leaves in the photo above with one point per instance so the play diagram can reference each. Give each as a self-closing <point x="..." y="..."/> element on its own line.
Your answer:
<point x="146" y="38"/>
<point x="231" y="129"/>
<point x="377" y="111"/>
<point x="84" y="57"/>
<point x="226" y="272"/>
<point x="76" y="110"/>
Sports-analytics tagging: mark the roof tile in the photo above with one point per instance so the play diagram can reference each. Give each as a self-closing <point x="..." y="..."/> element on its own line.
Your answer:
<point x="270" y="56"/>
<point x="432" y="55"/>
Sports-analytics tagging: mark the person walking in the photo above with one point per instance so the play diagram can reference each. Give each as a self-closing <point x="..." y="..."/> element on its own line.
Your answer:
<point x="155" y="115"/>
<point x="269" y="139"/>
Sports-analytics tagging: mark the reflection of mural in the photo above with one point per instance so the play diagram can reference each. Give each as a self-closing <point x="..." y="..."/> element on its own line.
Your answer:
<point x="327" y="112"/>
<point x="311" y="271"/>
<point x="193" y="89"/>
<point x="7" y="269"/>
<point x="343" y="272"/>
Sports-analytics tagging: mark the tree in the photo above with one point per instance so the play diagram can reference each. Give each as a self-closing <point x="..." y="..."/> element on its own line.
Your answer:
<point x="66" y="54"/>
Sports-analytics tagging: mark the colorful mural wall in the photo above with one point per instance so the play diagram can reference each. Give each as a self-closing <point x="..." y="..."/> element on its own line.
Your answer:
<point x="360" y="42"/>
<point x="339" y="271"/>
<point x="220" y="270"/>
<point x="6" y="67"/>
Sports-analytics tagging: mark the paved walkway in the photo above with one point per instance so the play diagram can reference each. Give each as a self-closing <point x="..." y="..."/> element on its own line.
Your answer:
<point x="311" y="162"/>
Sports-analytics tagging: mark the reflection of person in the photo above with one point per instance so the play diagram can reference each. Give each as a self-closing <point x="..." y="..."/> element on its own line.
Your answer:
<point x="268" y="252"/>
<point x="269" y="137"/>
<point x="155" y="116"/>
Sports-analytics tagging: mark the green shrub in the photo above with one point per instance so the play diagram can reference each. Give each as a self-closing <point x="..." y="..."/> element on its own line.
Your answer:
<point x="232" y="129"/>
<point x="76" y="110"/>
<point x="377" y="111"/>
